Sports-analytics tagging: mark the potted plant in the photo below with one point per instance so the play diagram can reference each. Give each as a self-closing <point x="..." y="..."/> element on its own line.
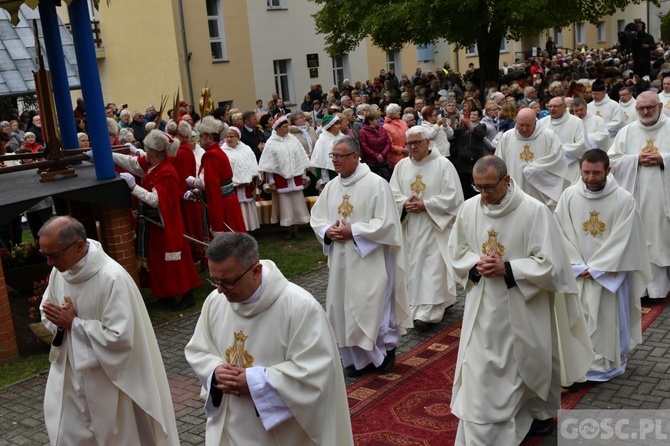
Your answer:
<point x="36" y="325"/>
<point x="22" y="265"/>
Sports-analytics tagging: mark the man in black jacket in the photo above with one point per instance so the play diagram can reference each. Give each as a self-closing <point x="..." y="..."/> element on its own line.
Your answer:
<point x="468" y="148"/>
<point x="251" y="134"/>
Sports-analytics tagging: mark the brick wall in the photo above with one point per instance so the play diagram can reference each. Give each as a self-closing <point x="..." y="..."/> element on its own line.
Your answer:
<point x="119" y="238"/>
<point x="9" y="351"/>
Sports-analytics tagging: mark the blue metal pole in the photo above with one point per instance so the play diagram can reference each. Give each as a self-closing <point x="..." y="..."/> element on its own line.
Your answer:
<point x="58" y="74"/>
<point x="89" y="75"/>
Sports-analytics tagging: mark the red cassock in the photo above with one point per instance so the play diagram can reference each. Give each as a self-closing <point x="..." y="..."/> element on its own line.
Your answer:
<point x="173" y="277"/>
<point x="184" y="164"/>
<point x="222" y="203"/>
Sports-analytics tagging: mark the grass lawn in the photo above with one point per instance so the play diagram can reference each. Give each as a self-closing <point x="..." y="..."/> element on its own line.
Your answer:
<point x="294" y="257"/>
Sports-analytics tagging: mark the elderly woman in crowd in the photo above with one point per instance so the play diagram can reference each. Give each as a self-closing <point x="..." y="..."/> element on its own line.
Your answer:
<point x="84" y="142"/>
<point x="437" y="130"/>
<point x="321" y="161"/>
<point x="303" y="132"/>
<point x="245" y="176"/>
<point x="285" y="164"/>
<point x="396" y="129"/>
<point x="490" y="119"/>
<point x="124" y="118"/>
<point x="375" y="144"/>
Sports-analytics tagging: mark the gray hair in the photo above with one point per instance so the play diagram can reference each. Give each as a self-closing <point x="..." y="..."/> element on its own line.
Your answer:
<point x="125" y="112"/>
<point x="408" y="117"/>
<point x="124" y="134"/>
<point x="361" y="109"/>
<point x="417" y="130"/>
<point x="351" y="142"/>
<point x="242" y="247"/>
<point x="67" y="229"/>
<point x="491" y="161"/>
<point x="392" y="108"/>
<point x="112" y="127"/>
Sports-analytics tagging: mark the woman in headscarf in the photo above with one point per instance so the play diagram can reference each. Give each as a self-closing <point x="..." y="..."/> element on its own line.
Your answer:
<point x="245" y="176"/>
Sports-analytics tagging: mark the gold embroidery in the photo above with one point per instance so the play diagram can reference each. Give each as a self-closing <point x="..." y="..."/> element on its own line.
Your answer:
<point x="492" y="246"/>
<point x="667" y="105"/>
<point x="527" y="155"/>
<point x="237" y="355"/>
<point x="625" y="115"/>
<point x="593" y="225"/>
<point x="650" y="147"/>
<point x="68" y="300"/>
<point x="345" y="209"/>
<point x="418" y="186"/>
<point x="598" y="114"/>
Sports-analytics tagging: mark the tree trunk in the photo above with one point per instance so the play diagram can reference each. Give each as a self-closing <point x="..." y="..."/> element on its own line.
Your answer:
<point x="489" y="57"/>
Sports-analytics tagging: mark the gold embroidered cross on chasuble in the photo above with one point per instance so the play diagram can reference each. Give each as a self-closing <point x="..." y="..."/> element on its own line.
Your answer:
<point x="650" y="147"/>
<point x="345" y="209"/>
<point x="526" y="154"/>
<point x="492" y="246"/>
<point x="593" y="225"/>
<point x="418" y="186"/>
<point x="237" y="355"/>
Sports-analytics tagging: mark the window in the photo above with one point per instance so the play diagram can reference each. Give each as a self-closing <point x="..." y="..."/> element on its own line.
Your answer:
<point x="217" y="33"/>
<point x="558" y="37"/>
<point x="504" y="46"/>
<point x="425" y="52"/>
<point x="340" y="70"/>
<point x="620" y="25"/>
<point x="601" y="32"/>
<point x="277" y="4"/>
<point x="284" y="79"/>
<point x="471" y="50"/>
<point x="580" y="33"/>
<point x="393" y="62"/>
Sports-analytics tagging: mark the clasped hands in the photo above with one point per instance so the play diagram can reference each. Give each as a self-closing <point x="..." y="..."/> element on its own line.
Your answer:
<point x="650" y="159"/>
<point x="59" y="315"/>
<point x="491" y="265"/>
<point x="231" y="380"/>
<point x="340" y="231"/>
<point x="414" y="205"/>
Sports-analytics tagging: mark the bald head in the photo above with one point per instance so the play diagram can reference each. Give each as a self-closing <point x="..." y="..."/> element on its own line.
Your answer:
<point x="66" y="228"/>
<point x="525" y="122"/>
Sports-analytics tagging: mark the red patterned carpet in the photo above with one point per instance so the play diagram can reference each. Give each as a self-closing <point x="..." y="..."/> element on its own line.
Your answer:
<point x="411" y="405"/>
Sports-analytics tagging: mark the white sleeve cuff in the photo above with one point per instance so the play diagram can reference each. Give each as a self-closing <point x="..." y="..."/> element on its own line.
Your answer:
<point x="83" y="355"/>
<point x="363" y="246"/>
<point x="271" y="408"/>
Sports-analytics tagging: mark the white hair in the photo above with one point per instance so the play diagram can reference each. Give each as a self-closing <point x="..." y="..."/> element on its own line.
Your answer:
<point x="392" y="108"/>
<point x="125" y="112"/>
<point x="417" y="130"/>
<point x="150" y="126"/>
<point x="124" y="133"/>
<point x="112" y="127"/>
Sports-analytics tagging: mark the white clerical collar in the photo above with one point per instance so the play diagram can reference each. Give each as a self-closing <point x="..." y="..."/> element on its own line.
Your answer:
<point x="259" y="292"/>
<point x="561" y="119"/>
<point x="593" y="193"/>
<point x="82" y="262"/>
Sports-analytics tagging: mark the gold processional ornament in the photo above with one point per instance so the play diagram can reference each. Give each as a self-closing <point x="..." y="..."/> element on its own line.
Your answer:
<point x="526" y="155"/>
<point x="593" y="225"/>
<point x="237" y="355"/>
<point x="492" y="246"/>
<point x="650" y="147"/>
<point x="345" y="209"/>
<point x="418" y="186"/>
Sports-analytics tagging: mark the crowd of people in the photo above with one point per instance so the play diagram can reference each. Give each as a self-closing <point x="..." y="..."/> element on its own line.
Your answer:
<point x="544" y="196"/>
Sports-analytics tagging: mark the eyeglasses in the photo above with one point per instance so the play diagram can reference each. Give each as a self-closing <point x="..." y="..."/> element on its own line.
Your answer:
<point x="487" y="188"/>
<point x="55" y="255"/>
<point x="229" y="285"/>
<point x="647" y="108"/>
<point x="414" y="143"/>
<point x="337" y="156"/>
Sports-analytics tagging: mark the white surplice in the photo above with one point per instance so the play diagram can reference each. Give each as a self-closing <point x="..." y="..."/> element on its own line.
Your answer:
<point x="536" y="163"/>
<point x="572" y="134"/>
<point x="596" y="132"/>
<point x="434" y="179"/>
<point x="245" y="169"/>
<point x="664" y="98"/>
<point x="439" y="137"/>
<point x="628" y="110"/>
<point x="281" y="336"/>
<point x="603" y="234"/>
<point x="650" y="185"/>
<point x="508" y="369"/>
<point x="366" y="300"/>
<point x="611" y="113"/>
<point x="107" y="383"/>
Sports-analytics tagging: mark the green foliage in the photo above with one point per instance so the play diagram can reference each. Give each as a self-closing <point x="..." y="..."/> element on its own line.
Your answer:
<point x="393" y="23"/>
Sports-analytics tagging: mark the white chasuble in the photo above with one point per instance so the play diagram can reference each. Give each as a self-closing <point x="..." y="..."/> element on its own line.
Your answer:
<point x="611" y="113"/>
<point x="435" y="180"/>
<point x="283" y="334"/>
<point x="536" y="163"/>
<point x="572" y="135"/>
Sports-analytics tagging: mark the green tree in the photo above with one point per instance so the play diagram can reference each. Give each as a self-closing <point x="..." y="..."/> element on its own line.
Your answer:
<point x="393" y="23"/>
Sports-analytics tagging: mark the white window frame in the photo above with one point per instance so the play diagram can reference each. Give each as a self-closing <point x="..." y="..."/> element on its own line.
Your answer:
<point x="504" y="46"/>
<point x="221" y="39"/>
<point x="602" y="31"/>
<point x="285" y="91"/>
<point x="341" y="65"/>
<point x="580" y="33"/>
<point x="393" y="62"/>
<point x="276" y="4"/>
<point x="428" y="47"/>
<point x="472" y="50"/>
<point x="558" y="37"/>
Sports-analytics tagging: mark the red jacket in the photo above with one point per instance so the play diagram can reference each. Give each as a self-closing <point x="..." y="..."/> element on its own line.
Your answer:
<point x="373" y="141"/>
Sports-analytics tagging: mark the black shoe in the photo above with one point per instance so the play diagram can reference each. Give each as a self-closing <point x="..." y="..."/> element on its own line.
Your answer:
<point x="164" y="302"/>
<point x="420" y="326"/>
<point x="297" y="235"/>
<point x="541" y="428"/>
<point x="352" y="372"/>
<point x="287" y="236"/>
<point x="389" y="362"/>
<point x="187" y="301"/>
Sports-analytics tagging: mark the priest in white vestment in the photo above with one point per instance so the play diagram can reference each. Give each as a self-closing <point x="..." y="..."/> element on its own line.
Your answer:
<point x="597" y="136"/>
<point x="640" y="155"/>
<point x="266" y="356"/>
<point x="284" y="163"/>
<point x="428" y="193"/>
<point x="356" y="221"/>
<point x="107" y="383"/>
<point x="534" y="159"/>
<point x="664" y="96"/>
<point x="627" y="104"/>
<point x="571" y="133"/>
<point x="606" y="108"/>
<point x="245" y="176"/>
<point x="608" y="252"/>
<point x="505" y="253"/>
